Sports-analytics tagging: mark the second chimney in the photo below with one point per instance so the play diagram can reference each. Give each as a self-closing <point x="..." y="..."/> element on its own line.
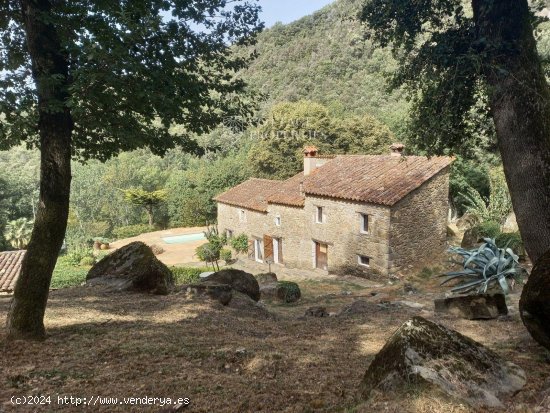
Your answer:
<point x="397" y="149"/>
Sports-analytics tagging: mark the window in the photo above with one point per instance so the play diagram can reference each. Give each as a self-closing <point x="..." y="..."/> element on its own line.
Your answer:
<point x="319" y="215"/>
<point x="278" y="220"/>
<point x="364" y="223"/>
<point x="229" y="233"/>
<point x="242" y="215"/>
<point x="365" y="261"/>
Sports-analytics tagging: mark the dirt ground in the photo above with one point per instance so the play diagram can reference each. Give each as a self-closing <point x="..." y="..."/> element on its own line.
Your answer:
<point x="174" y="254"/>
<point x="228" y="359"/>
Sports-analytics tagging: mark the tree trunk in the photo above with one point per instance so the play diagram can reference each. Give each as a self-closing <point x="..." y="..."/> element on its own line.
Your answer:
<point x="26" y="316"/>
<point x="520" y="106"/>
<point x="149" y="210"/>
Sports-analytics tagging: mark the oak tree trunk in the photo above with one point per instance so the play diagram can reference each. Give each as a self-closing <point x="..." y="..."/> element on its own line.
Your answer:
<point x="520" y="106"/>
<point x="50" y="73"/>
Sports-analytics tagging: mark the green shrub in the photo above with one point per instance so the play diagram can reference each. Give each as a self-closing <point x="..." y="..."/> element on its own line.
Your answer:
<point x="131" y="231"/>
<point x="187" y="275"/>
<point x="66" y="274"/>
<point x="291" y="291"/>
<point x="510" y="240"/>
<point x="76" y="254"/>
<point x="87" y="261"/>
<point x="226" y="255"/>
<point x="487" y="229"/>
<point x="209" y="253"/>
<point x="240" y="243"/>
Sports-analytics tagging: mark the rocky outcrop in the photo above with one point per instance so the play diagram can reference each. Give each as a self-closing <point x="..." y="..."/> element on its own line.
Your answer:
<point x="238" y="280"/>
<point x="473" y="307"/>
<point x="272" y="289"/>
<point x="222" y="293"/>
<point x="534" y="304"/>
<point x="133" y="267"/>
<point x="268" y="278"/>
<point x="433" y="357"/>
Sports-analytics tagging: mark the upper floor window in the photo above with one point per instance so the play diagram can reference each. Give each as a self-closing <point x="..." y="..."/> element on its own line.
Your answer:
<point x="242" y="215"/>
<point x="278" y="220"/>
<point x="364" y="218"/>
<point x="319" y="215"/>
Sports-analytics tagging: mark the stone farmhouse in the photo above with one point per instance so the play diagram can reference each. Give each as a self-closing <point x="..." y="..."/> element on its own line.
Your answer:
<point x="381" y="213"/>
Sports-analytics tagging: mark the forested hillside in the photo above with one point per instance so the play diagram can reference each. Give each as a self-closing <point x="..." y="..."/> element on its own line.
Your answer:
<point x="323" y="57"/>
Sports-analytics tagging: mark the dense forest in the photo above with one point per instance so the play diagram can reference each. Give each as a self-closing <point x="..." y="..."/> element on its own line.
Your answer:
<point x="317" y="74"/>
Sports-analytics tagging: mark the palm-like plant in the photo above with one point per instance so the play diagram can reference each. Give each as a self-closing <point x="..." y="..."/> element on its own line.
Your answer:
<point x="483" y="267"/>
<point x="18" y="232"/>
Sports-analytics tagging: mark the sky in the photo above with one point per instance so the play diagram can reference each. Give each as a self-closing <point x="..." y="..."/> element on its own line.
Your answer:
<point x="287" y="11"/>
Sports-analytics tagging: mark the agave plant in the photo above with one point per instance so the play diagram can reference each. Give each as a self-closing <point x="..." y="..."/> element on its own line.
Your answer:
<point x="483" y="267"/>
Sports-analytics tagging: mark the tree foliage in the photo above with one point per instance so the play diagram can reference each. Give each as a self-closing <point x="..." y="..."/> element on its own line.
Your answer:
<point x="146" y="199"/>
<point x="135" y="69"/>
<point x="289" y="126"/>
<point x="18" y="233"/>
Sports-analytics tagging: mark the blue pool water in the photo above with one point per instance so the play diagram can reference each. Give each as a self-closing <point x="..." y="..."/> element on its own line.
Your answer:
<point x="183" y="239"/>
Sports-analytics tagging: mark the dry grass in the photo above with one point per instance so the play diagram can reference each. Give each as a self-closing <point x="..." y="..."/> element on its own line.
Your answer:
<point x="233" y="360"/>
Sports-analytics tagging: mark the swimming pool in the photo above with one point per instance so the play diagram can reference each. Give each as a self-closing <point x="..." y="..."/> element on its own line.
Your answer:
<point x="184" y="239"/>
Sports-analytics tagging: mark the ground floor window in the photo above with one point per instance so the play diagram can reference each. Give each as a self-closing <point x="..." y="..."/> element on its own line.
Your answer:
<point x="364" y="260"/>
<point x="229" y="233"/>
<point x="258" y="250"/>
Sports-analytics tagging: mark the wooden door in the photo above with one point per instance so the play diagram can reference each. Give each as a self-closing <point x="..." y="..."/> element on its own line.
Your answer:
<point x="321" y="256"/>
<point x="268" y="248"/>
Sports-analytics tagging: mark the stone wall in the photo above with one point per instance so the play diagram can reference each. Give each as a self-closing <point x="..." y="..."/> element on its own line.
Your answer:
<point x="341" y="230"/>
<point x="258" y="224"/>
<point x="417" y="236"/>
<point x="419" y="225"/>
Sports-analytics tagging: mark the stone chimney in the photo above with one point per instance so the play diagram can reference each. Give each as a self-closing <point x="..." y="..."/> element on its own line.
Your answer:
<point x="397" y="149"/>
<point x="310" y="159"/>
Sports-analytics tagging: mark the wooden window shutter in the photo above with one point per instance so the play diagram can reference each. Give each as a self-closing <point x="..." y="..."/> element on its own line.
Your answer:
<point x="281" y="250"/>
<point x="268" y="248"/>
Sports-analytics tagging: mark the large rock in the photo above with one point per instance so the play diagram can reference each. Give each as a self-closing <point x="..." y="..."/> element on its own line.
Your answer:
<point x="473" y="307"/>
<point x="238" y="280"/>
<point x="285" y="291"/>
<point x="534" y="304"/>
<point x="268" y="278"/>
<point x="222" y="293"/>
<point x="437" y="359"/>
<point x="470" y="238"/>
<point x="133" y="267"/>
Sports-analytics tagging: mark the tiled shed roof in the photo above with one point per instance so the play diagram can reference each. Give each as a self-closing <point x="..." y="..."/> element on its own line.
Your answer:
<point x="251" y="194"/>
<point x="10" y="267"/>
<point x="377" y="179"/>
<point x="288" y="192"/>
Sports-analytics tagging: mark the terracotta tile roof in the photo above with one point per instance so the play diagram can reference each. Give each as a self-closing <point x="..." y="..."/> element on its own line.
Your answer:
<point x="251" y="194"/>
<point x="288" y="192"/>
<point x="10" y="267"/>
<point x="378" y="179"/>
